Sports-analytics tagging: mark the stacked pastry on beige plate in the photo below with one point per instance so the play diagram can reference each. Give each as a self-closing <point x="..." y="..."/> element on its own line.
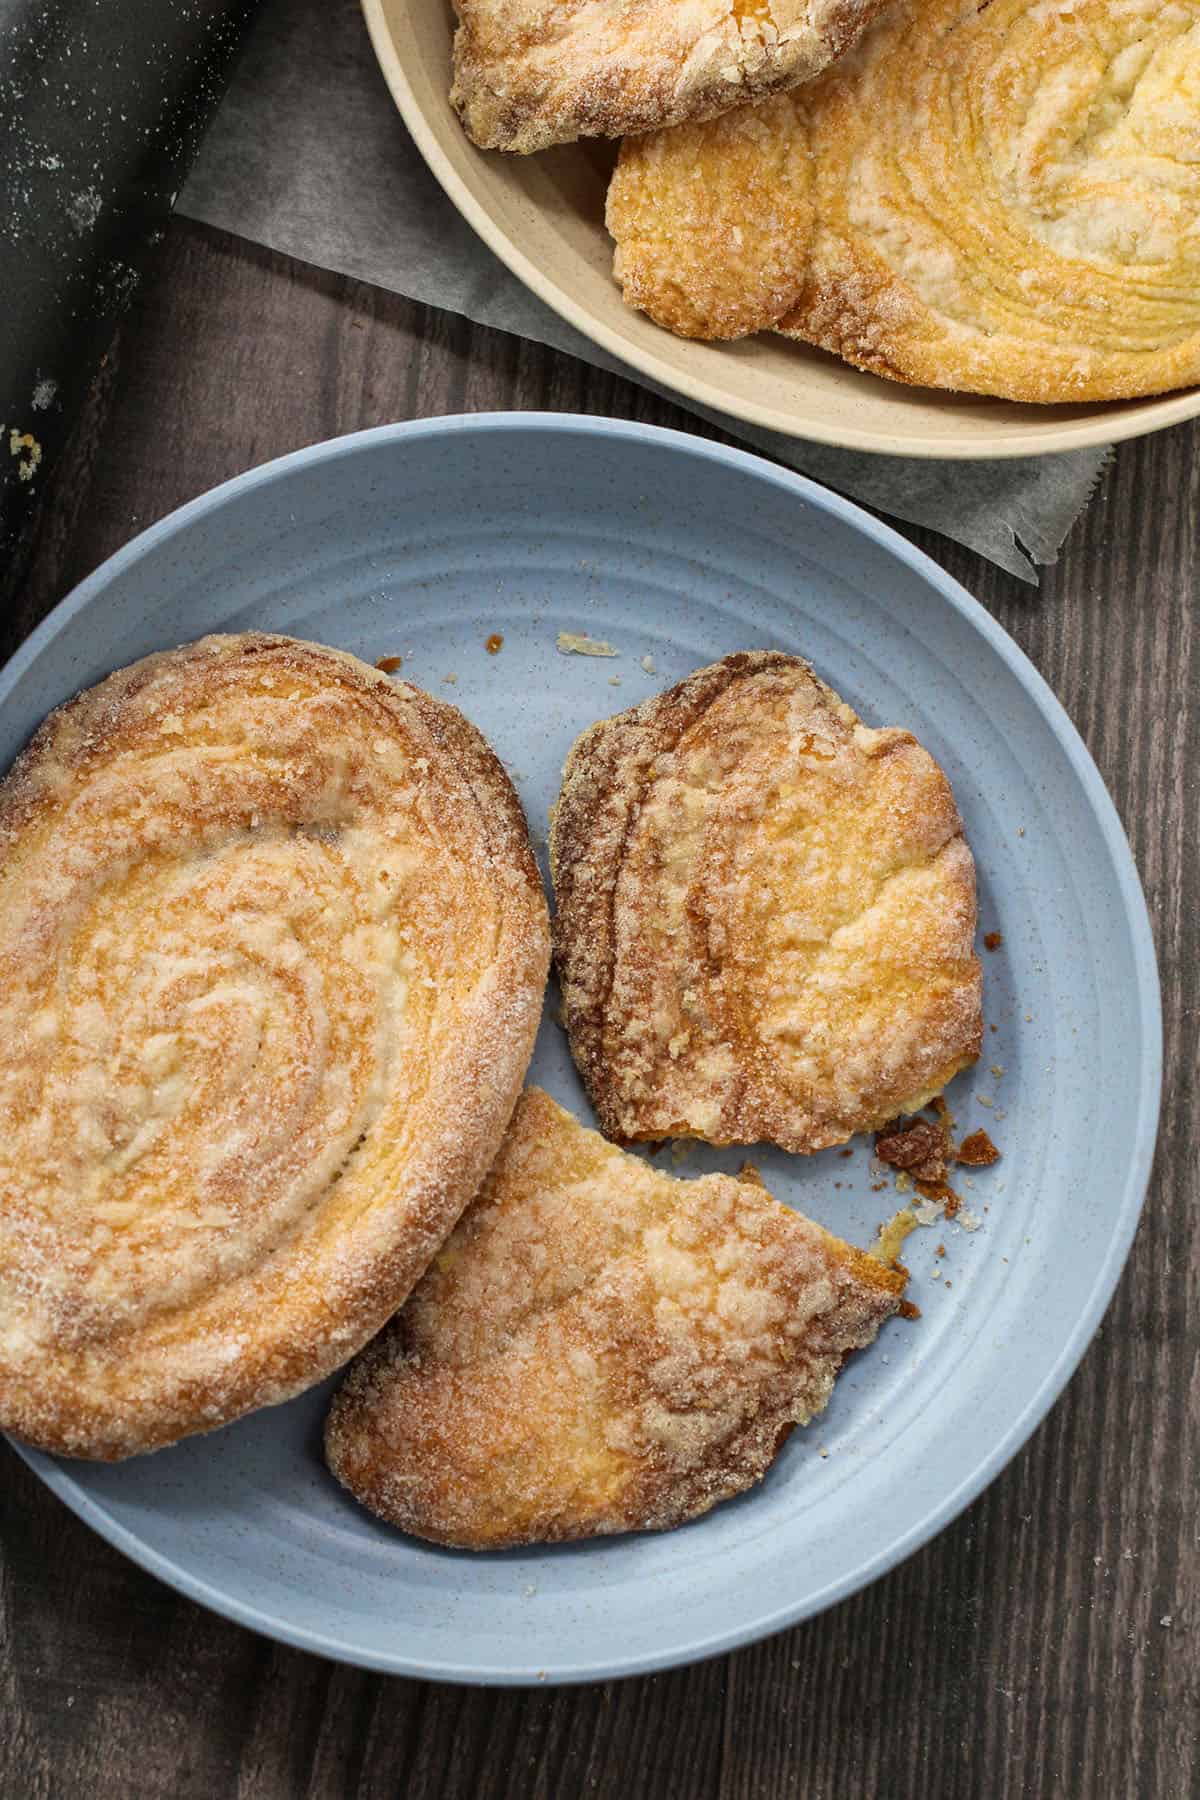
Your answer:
<point x="274" y="952"/>
<point x="999" y="198"/>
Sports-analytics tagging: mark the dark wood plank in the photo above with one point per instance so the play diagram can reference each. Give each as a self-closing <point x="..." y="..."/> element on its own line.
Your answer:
<point x="1025" y="1652"/>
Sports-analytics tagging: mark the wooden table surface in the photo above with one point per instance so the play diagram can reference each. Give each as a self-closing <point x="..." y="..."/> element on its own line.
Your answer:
<point x="1046" y="1643"/>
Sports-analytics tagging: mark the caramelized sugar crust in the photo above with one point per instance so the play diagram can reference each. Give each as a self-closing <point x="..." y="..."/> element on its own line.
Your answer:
<point x="765" y="914"/>
<point x="529" y="73"/>
<point x="599" y="1348"/>
<point x="999" y="198"/>
<point x="272" y="955"/>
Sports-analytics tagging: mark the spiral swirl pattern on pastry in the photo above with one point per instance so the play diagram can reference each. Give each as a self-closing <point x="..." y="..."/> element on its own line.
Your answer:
<point x="272" y="954"/>
<point x="1006" y="200"/>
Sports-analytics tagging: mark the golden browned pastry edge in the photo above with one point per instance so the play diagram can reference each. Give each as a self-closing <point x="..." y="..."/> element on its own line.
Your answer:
<point x="304" y="1329"/>
<point x="545" y="72"/>
<point x="711" y="220"/>
<point x="1003" y="202"/>
<point x="603" y="787"/>
<point x="566" y="1370"/>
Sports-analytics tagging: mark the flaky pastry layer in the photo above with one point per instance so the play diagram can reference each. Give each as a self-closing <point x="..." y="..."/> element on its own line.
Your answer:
<point x="272" y="954"/>
<point x="599" y="1348"/>
<point x="1003" y="199"/>
<point x="530" y="73"/>
<point x="765" y="914"/>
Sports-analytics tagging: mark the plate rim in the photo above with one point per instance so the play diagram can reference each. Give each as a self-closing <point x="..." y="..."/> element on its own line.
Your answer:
<point x="1154" y="412"/>
<point x="57" y="1475"/>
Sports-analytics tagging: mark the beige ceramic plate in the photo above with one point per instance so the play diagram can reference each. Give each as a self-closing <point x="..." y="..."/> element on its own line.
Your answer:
<point x="544" y="216"/>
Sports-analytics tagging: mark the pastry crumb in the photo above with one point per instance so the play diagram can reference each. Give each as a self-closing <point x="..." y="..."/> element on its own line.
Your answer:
<point x="886" y="1248"/>
<point x="27" y="464"/>
<point x="920" y="1148"/>
<point x="577" y="643"/>
<point x="977" y="1151"/>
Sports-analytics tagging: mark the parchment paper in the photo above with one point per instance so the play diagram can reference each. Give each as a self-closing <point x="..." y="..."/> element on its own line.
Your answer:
<point x="307" y="113"/>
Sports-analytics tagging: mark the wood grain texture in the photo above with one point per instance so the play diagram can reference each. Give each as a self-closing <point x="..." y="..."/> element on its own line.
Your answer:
<point x="1046" y="1643"/>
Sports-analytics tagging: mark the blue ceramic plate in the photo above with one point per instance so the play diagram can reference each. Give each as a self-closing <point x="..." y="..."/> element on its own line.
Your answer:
<point x="421" y="540"/>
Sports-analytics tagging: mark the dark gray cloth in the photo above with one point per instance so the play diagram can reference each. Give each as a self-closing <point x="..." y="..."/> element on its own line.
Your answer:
<point x="101" y="109"/>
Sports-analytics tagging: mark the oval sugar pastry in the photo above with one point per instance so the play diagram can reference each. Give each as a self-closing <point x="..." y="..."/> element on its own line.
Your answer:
<point x="272" y="956"/>
<point x="599" y="1348"/>
<point x="1003" y="199"/>
<point x="765" y="914"/>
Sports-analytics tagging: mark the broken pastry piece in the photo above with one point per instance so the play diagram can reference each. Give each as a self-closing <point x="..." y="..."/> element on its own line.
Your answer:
<point x="599" y="1348"/>
<point x="766" y="914"/>
<point x="529" y="73"/>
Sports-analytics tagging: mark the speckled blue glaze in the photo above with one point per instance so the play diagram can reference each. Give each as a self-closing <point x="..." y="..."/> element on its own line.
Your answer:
<point x="421" y="540"/>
